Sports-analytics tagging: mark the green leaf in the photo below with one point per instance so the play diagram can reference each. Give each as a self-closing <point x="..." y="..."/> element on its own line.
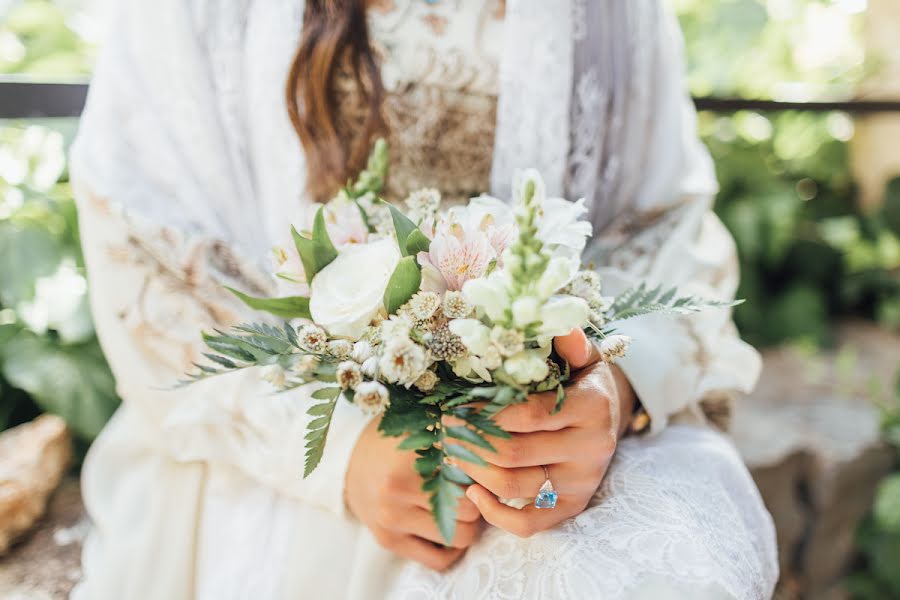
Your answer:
<point x="467" y="435"/>
<point x="317" y="432"/>
<point x="455" y="474"/>
<point x="220" y="360"/>
<point x="417" y="242"/>
<point x="291" y="307"/>
<point x="464" y="453"/>
<point x="326" y="393"/>
<point x="444" y="500"/>
<point x="403" y="285"/>
<point x="73" y="382"/>
<point x="403" y="227"/>
<point x="428" y="462"/>
<point x="560" y="398"/>
<point x="887" y="503"/>
<point x="405" y="415"/>
<point x="316" y="252"/>
<point x="418" y="441"/>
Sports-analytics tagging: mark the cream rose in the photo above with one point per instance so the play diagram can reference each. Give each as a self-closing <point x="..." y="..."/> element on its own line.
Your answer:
<point x="347" y="294"/>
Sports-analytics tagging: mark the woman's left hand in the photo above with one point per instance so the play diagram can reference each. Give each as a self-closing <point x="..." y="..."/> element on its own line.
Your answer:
<point x="575" y="445"/>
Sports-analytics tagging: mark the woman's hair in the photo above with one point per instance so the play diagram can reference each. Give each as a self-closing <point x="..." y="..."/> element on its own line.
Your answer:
<point x="335" y="38"/>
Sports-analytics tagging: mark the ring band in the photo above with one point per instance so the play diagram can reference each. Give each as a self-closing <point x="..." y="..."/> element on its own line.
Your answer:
<point x="546" y="496"/>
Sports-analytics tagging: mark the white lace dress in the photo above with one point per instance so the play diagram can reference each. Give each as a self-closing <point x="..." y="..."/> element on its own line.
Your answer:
<point x="187" y="172"/>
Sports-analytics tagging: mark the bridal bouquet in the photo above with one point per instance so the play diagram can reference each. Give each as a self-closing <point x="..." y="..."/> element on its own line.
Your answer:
<point x="424" y="313"/>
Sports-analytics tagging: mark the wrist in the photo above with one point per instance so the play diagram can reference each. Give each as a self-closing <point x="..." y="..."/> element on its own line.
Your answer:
<point x="626" y="397"/>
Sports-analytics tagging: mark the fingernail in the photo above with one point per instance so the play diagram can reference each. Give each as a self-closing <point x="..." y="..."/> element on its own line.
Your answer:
<point x="471" y="495"/>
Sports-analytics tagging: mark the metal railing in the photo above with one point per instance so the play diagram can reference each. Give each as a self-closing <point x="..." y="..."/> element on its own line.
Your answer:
<point x="22" y="99"/>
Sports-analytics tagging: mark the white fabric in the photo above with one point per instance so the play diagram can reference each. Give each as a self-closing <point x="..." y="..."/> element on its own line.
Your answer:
<point x="187" y="171"/>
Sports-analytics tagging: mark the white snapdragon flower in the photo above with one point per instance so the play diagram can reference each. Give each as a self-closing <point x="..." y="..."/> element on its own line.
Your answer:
<point x="474" y="335"/>
<point x="526" y="310"/>
<point x="561" y="227"/>
<point x="372" y="397"/>
<point x="558" y="273"/>
<point x="471" y="368"/>
<point x="528" y="366"/>
<point x="560" y="315"/>
<point x="490" y="293"/>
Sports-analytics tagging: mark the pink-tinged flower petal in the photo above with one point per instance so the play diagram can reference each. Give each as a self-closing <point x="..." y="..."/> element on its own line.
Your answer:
<point x="344" y="222"/>
<point x="460" y="255"/>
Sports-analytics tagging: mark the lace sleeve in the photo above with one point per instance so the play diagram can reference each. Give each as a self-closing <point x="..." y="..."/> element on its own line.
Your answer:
<point x="675" y="364"/>
<point x="168" y="214"/>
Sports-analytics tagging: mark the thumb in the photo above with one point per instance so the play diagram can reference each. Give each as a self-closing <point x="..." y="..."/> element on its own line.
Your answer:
<point x="576" y="349"/>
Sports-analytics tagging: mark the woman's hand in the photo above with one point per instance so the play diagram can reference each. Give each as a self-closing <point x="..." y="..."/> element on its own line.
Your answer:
<point x="384" y="491"/>
<point x="576" y="444"/>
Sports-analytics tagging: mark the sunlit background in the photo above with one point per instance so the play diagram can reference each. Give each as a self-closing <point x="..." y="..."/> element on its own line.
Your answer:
<point x="810" y="196"/>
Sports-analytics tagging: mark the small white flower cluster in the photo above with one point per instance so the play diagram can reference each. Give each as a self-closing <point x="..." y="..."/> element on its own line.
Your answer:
<point x="497" y="287"/>
<point x="423" y="204"/>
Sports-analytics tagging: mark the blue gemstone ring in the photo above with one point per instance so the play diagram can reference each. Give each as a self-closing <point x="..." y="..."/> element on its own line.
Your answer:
<point x="546" y="496"/>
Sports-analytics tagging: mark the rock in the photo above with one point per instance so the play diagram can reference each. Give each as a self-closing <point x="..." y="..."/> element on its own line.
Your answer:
<point x="47" y="564"/>
<point x="810" y="435"/>
<point x="33" y="459"/>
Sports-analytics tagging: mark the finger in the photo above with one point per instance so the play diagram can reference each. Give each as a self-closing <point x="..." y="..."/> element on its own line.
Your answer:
<point x="523" y="523"/>
<point x="421" y="523"/>
<point x="568" y="479"/>
<point x="434" y="557"/>
<point x="576" y="349"/>
<point x="535" y="449"/>
<point x="536" y="414"/>
<point x="506" y="483"/>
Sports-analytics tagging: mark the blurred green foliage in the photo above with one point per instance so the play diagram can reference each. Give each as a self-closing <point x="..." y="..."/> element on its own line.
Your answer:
<point x="809" y="255"/>
<point x="49" y="356"/>
<point x="877" y="577"/>
<point x="37" y="39"/>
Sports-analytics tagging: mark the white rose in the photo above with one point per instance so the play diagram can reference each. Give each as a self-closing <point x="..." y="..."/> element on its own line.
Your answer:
<point x="559" y="316"/>
<point x="489" y="293"/>
<point x="475" y="336"/>
<point x="526" y="367"/>
<point x="348" y="293"/>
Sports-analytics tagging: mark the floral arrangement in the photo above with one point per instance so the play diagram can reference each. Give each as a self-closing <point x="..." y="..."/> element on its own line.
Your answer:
<point x="428" y="313"/>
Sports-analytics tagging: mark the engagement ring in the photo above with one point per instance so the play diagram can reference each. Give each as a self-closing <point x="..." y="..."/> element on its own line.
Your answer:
<point x="546" y="496"/>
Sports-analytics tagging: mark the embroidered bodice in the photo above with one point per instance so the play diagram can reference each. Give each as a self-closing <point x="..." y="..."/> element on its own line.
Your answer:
<point x="439" y="65"/>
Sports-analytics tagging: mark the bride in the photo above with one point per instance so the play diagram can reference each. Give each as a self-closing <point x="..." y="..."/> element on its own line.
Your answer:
<point x="192" y="162"/>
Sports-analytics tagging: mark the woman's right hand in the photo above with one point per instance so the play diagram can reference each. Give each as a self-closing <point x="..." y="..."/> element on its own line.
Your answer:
<point x="384" y="491"/>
